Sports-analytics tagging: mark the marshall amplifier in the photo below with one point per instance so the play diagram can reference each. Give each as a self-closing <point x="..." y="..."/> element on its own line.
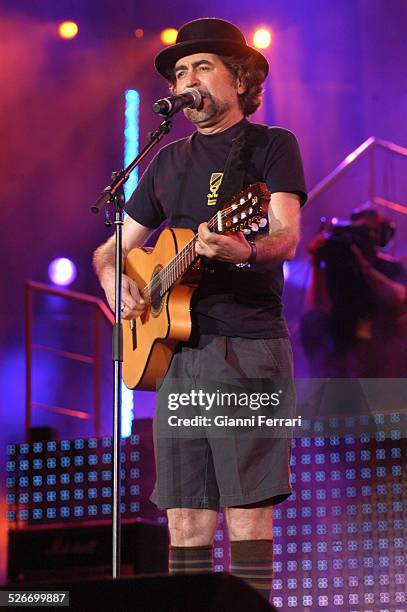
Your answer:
<point x="79" y="551"/>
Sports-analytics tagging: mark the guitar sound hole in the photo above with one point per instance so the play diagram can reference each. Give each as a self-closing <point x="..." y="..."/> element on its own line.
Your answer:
<point x="155" y="292"/>
<point x="156" y="298"/>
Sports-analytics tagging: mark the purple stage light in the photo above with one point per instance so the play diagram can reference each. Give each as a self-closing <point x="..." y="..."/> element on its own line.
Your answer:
<point x="62" y="271"/>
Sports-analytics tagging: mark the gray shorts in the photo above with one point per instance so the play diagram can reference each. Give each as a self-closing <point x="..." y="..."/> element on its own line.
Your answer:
<point x="209" y="472"/>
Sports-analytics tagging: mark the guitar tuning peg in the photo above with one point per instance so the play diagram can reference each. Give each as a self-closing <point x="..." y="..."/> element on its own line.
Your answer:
<point x="255" y="227"/>
<point x="263" y="222"/>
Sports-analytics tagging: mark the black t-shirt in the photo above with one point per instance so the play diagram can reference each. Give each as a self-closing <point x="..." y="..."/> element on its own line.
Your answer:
<point x="181" y="186"/>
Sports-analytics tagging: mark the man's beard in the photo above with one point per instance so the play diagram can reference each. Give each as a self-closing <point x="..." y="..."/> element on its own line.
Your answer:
<point x="213" y="108"/>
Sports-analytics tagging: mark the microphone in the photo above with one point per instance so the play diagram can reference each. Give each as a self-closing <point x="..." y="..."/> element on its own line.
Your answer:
<point x="190" y="98"/>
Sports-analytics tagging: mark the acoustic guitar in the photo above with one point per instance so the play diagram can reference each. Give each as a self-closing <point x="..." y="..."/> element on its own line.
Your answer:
<point x="167" y="277"/>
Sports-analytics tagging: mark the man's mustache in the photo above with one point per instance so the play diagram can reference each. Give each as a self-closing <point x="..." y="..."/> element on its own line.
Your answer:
<point x="205" y="94"/>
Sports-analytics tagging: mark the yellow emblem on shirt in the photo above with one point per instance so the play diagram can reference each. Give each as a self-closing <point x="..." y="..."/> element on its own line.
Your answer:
<point x="214" y="184"/>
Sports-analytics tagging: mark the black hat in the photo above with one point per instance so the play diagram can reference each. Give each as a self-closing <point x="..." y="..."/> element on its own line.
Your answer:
<point x="207" y="35"/>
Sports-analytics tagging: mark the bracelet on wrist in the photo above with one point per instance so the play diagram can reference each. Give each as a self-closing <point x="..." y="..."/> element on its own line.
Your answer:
<point x="253" y="254"/>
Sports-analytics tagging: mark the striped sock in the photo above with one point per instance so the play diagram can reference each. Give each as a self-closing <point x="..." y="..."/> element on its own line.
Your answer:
<point x="252" y="560"/>
<point x="190" y="559"/>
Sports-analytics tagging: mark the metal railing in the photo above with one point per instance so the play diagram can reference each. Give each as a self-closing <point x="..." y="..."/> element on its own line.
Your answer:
<point x="369" y="148"/>
<point x="99" y="310"/>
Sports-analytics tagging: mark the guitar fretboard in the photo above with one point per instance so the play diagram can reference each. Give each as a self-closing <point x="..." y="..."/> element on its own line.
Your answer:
<point x="183" y="260"/>
<point x="178" y="266"/>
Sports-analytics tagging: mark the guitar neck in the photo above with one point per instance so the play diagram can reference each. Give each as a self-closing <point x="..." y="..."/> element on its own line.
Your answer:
<point x="177" y="267"/>
<point x="237" y="215"/>
<point x="183" y="260"/>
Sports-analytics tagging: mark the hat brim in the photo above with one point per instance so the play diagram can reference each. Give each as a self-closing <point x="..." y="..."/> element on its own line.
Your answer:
<point x="167" y="58"/>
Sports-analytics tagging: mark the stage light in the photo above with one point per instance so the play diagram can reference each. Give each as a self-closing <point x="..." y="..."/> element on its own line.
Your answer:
<point x="127" y="411"/>
<point x="139" y="33"/>
<point x="262" y="38"/>
<point x="131" y="137"/>
<point x="131" y="148"/>
<point x="68" y="29"/>
<point x="168" y="36"/>
<point x="62" y="271"/>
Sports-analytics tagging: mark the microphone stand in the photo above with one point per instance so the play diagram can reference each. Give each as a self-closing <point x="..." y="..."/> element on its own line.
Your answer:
<point x="114" y="194"/>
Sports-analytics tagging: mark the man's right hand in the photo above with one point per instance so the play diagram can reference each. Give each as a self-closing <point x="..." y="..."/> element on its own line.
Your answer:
<point x="132" y="301"/>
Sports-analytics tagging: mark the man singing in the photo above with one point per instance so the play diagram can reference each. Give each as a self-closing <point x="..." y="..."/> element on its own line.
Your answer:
<point x="239" y="329"/>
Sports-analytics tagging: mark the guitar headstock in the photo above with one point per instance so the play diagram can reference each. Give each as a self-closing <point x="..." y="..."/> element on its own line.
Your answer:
<point x="246" y="212"/>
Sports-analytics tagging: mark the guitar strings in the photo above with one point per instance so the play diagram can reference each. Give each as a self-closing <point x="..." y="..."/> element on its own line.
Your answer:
<point x="165" y="278"/>
<point x="168" y="275"/>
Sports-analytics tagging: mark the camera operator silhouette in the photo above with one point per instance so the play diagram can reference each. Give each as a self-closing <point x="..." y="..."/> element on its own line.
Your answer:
<point x="356" y="325"/>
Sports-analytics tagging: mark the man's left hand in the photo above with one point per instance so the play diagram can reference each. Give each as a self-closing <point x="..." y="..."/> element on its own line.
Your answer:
<point x="232" y="247"/>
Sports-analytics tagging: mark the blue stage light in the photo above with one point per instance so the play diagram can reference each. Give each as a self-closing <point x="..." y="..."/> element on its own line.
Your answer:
<point x="62" y="271"/>
<point x="131" y="148"/>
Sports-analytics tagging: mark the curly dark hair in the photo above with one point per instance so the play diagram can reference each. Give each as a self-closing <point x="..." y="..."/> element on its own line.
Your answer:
<point x="251" y="74"/>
